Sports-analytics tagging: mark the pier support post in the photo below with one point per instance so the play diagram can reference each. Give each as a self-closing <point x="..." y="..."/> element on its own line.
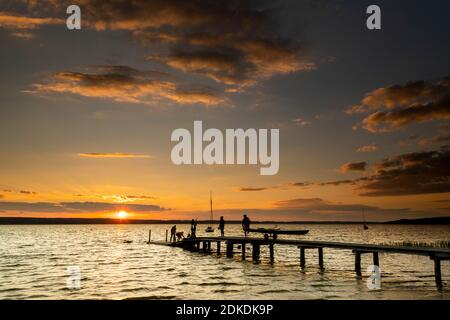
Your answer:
<point x="229" y="249"/>
<point x="376" y="260"/>
<point x="358" y="263"/>
<point x="271" y="252"/>
<point x="167" y="232"/>
<point x="256" y="251"/>
<point x="218" y="247"/>
<point x="437" y="272"/>
<point x="321" y="258"/>
<point x="197" y="244"/>
<point x="149" y="236"/>
<point x="243" y="250"/>
<point x="302" y="258"/>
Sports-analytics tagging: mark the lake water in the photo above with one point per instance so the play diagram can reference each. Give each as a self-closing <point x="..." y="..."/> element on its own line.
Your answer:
<point x="34" y="262"/>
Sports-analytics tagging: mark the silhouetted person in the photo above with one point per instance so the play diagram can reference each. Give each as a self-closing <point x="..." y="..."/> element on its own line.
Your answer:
<point x="246" y="224"/>
<point x="173" y="233"/>
<point x="180" y="235"/>
<point x="193" y="228"/>
<point x="222" y="226"/>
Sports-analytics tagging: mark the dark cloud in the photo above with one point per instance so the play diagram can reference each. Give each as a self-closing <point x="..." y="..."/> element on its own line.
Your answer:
<point x="77" y="207"/>
<point x="281" y="186"/>
<point x="336" y="183"/>
<point x="442" y="136"/>
<point x="301" y="184"/>
<point x="232" y="42"/>
<point x="253" y="188"/>
<point x="353" y="166"/>
<point x="27" y="192"/>
<point x="21" y="26"/>
<point x="125" y="84"/>
<point x="408" y="141"/>
<point x="318" y="209"/>
<point x="320" y="205"/>
<point x="409" y="174"/>
<point x="418" y="101"/>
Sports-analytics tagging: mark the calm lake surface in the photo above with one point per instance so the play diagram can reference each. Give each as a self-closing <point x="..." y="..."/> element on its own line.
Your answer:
<point x="34" y="261"/>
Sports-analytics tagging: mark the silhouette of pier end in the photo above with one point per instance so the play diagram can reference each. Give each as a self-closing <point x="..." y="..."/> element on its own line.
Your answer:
<point x="203" y="244"/>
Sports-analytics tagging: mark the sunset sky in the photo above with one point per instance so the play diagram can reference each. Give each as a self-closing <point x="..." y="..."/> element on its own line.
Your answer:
<point x="86" y="115"/>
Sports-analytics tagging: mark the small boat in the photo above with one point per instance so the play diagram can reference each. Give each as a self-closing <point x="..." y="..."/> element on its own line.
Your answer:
<point x="275" y="232"/>
<point x="210" y="228"/>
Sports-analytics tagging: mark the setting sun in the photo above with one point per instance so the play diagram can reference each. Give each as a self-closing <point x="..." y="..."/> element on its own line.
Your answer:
<point x="122" y="214"/>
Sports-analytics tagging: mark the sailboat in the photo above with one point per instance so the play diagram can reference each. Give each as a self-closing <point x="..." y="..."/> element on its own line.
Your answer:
<point x="365" y="227"/>
<point x="210" y="228"/>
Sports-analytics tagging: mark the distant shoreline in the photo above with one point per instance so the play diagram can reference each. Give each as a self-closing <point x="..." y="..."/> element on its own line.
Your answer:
<point x="55" y="221"/>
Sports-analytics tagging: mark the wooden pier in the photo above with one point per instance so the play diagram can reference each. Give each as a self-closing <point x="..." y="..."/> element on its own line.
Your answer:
<point x="203" y="244"/>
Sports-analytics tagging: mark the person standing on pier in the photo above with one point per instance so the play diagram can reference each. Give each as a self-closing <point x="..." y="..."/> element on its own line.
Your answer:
<point x="173" y="233"/>
<point x="246" y="224"/>
<point x="222" y="226"/>
<point x="193" y="228"/>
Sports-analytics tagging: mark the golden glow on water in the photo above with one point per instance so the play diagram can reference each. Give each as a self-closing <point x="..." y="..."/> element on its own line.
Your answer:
<point x="116" y="263"/>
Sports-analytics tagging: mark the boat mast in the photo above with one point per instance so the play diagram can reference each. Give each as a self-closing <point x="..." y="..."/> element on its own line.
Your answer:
<point x="211" y="210"/>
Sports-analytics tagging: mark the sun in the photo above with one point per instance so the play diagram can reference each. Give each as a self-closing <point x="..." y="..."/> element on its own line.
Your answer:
<point x="122" y="214"/>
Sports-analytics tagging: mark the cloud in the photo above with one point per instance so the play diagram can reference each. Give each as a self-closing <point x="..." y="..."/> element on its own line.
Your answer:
<point x="442" y="136"/>
<point x="409" y="174"/>
<point x="112" y="155"/>
<point x="301" y="184"/>
<point x="77" y="207"/>
<point x="408" y="141"/>
<point x="320" y="209"/>
<point x="27" y="192"/>
<point x="20" y="26"/>
<point x="1" y="196"/>
<point x="397" y="106"/>
<point x="281" y="186"/>
<point x="125" y="84"/>
<point x="119" y="198"/>
<point x="253" y="188"/>
<point x="367" y="148"/>
<point x="388" y="121"/>
<point x="300" y="122"/>
<point x="353" y="166"/>
<point x="235" y="43"/>
<point x="336" y="183"/>
<point x="318" y="204"/>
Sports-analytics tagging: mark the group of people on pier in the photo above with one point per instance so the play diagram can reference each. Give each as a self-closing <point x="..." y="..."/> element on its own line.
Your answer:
<point x="177" y="236"/>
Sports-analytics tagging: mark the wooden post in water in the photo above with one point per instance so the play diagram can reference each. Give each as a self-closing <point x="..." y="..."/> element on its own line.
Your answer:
<point x="167" y="232"/>
<point x="271" y="252"/>
<point x="376" y="260"/>
<point x="256" y="251"/>
<point x="321" y="258"/>
<point x="209" y="246"/>
<point x="437" y="272"/>
<point x="229" y="249"/>
<point x="358" y="262"/>
<point x="218" y="247"/>
<point x="302" y="258"/>
<point x="243" y="250"/>
<point x="149" y="235"/>
<point x="198" y="245"/>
